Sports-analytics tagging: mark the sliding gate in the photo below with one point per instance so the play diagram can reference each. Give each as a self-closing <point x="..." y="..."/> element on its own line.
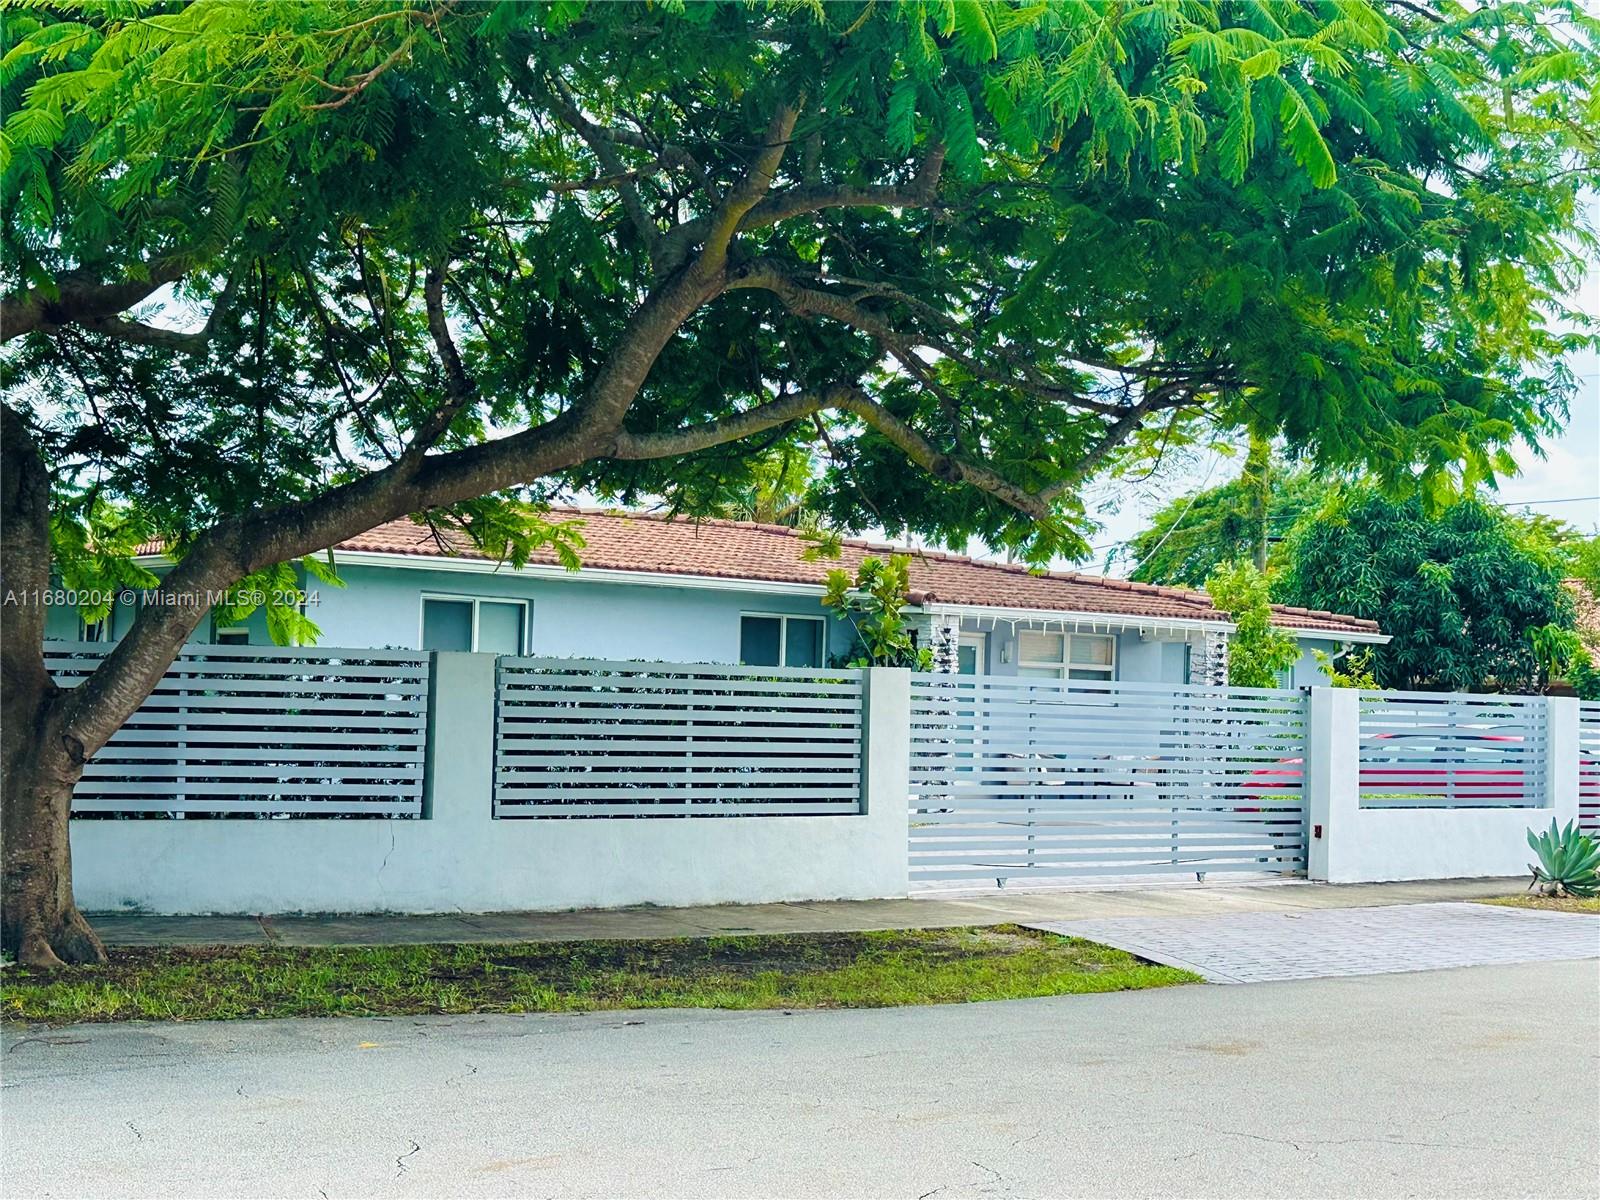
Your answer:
<point x="1015" y="778"/>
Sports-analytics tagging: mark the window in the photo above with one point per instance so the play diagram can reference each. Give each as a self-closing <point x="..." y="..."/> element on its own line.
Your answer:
<point x="468" y="623"/>
<point x="972" y="654"/>
<point x="775" y="641"/>
<point x="1066" y="655"/>
<point x="95" y="631"/>
<point x="237" y="635"/>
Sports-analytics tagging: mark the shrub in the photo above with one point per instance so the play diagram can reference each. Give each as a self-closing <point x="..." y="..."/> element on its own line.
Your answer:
<point x="1569" y="862"/>
<point x="874" y="603"/>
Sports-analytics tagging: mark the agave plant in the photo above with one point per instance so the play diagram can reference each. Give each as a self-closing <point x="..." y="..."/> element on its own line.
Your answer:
<point x="1569" y="862"/>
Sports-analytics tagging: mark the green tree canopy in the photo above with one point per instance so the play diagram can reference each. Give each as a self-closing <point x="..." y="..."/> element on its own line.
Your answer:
<point x="1191" y="536"/>
<point x="1463" y="594"/>
<point x="439" y="257"/>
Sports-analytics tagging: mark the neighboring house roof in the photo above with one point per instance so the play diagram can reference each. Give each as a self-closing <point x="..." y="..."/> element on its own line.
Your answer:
<point x="746" y="550"/>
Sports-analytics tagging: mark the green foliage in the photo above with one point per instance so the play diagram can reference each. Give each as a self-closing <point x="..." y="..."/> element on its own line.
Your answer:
<point x="874" y="602"/>
<point x="771" y="490"/>
<point x="1583" y="562"/>
<point x="1458" y="592"/>
<point x="1191" y="536"/>
<point x="1556" y="649"/>
<point x="1584" y="677"/>
<point x="1347" y="225"/>
<point x="1569" y="862"/>
<point x="821" y="543"/>
<point x="94" y="541"/>
<point x="1351" y="671"/>
<point x="277" y="592"/>
<point x="1258" y="652"/>
<point x="510" y="532"/>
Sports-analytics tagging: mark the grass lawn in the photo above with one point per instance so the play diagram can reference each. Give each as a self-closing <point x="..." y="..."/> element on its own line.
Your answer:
<point x="1577" y="904"/>
<point x="833" y="970"/>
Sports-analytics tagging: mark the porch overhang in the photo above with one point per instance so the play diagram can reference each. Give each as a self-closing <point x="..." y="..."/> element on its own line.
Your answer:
<point x="985" y="617"/>
<point x="1099" y="622"/>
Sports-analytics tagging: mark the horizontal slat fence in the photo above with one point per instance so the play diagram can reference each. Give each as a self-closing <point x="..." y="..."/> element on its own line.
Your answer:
<point x="1021" y="777"/>
<point x="1589" y="767"/>
<point x="262" y="731"/>
<point x="598" y="738"/>
<point x="1452" y="750"/>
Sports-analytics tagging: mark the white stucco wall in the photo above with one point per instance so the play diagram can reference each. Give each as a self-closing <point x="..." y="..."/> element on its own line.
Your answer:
<point x="459" y="859"/>
<point x="1351" y="844"/>
<point x="571" y="616"/>
<point x="577" y="616"/>
<point x="1306" y="672"/>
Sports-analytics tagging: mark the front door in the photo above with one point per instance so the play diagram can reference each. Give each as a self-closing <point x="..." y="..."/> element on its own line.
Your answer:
<point x="972" y="654"/>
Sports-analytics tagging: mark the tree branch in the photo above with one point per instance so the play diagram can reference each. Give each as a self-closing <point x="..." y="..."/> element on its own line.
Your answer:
<point x="724" y="223"/>
<point x="936" y="462"/>
<point x="79" y="299"/>
<point x="152" y="335"/>
<point x="362" y="81"/>
<point x="848" y="398"/>
<point x="804" y="301"/>
<point x="1165" y="396"/>
<point x="599" y="141"/>
<point x="799" y="201"/>
<point x="788" y="407"/>
<point x="459" y="387"/>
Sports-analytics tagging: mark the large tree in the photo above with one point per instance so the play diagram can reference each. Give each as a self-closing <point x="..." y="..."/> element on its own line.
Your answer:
<point x="450" y="258"/>
<point x="1464" y="593"/>
<point x="1243" y="520"/>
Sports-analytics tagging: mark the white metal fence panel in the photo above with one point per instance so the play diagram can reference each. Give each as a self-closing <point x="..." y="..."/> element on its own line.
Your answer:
<point x="263" y="731"/>
<point x="1024" y="777"/>
<point x="1452" y="750"/>
<point x="1589" y="766"/>
<point x="596" y="738"/>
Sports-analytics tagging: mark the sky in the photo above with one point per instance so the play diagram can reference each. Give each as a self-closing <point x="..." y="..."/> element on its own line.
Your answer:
<point x="1564" y="482"/>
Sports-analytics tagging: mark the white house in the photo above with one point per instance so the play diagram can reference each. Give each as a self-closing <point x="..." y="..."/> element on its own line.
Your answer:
<point x="716" y="591"/>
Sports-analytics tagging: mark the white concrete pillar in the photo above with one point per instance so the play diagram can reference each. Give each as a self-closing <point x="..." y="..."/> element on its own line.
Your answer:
<point x="886" y="767"/>
<point x="1561" y="757"/>
<point x="1333" y="781"/>
<point x="459" y="776"/>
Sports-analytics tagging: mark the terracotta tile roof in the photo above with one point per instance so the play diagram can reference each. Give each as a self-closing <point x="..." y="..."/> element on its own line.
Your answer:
<point x="745" y="550"/>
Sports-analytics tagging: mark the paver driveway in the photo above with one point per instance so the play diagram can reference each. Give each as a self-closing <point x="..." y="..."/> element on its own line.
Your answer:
<point x="1255" y="946"/>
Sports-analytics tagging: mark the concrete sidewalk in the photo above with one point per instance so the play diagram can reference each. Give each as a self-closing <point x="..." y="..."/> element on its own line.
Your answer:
<point x="987" y="908"/>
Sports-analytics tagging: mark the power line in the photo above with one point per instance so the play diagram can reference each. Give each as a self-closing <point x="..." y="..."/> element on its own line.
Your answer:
<point x="1195" y="495"/>
<point x="1558" y="500"/>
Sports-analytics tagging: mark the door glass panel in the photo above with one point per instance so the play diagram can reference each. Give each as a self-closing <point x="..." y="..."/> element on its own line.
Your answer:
<point x="499" y="628"/>
<point x="966" y="659"/>
<point x="1091" y="651"/>
<point x="1033" y="646"/>
<point x="803" y="643"/>
<point x="759" y="641"/>
<point x="447" y="625"/>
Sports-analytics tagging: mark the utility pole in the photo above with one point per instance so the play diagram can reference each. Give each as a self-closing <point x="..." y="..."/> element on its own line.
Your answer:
<point x="1258" y="478"/>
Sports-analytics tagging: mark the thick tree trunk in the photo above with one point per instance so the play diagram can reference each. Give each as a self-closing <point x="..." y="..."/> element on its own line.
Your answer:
<point x="39" y="762"/>
<point x="39" y="921"/>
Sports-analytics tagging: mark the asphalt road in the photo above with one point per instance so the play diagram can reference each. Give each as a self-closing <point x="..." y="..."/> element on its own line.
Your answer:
<point x="1482" y="1081"/>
